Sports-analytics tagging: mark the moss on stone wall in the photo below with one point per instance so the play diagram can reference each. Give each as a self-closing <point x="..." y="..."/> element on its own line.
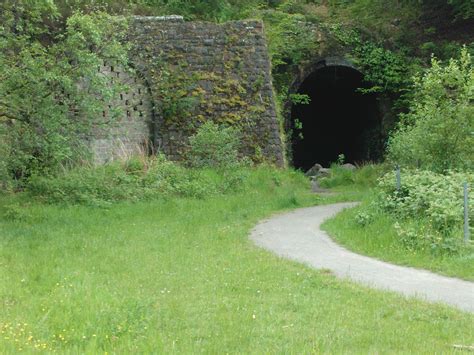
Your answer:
<point x="199" y="71"/>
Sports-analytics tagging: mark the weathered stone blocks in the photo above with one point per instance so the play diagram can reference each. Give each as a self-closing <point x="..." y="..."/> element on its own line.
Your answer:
<point x="218" y="72"/>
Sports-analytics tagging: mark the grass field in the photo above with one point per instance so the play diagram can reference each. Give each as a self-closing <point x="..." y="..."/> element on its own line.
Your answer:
<point x="180" y="275"/>
<point x="379" y="239"/>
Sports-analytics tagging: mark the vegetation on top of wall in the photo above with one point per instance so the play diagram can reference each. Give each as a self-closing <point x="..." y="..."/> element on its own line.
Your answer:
<point x="385" y="21"/>
<point x="299" y="37"/>
<point x="375" y="14"/>
<point x="292" y="39"/>
<point x="381" y="37"/>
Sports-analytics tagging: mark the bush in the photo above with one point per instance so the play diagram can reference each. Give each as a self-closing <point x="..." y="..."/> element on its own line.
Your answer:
<point x="431" y="206"/>
<point x="437" y="133"/>
<point x="464" y="9"/>
<point x="214" y="146"/>
<point x="363" y="218"/>
<point x="135" y="179"/>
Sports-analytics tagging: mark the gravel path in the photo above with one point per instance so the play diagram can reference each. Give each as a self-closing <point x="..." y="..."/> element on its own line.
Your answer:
<point x="296" y="235"/>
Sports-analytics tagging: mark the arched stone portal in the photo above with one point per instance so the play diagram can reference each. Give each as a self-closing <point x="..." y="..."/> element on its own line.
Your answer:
<point x="338" y="120"/>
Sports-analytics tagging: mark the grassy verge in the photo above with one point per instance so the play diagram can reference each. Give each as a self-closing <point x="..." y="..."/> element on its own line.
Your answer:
<point x="379" y="239"/>
<point x="180" y="275"/>
<point x="368" y="229"/>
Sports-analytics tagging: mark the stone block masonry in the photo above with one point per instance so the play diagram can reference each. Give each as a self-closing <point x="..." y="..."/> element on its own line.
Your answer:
<point x="129" y="133"/>
<point x="191" y="72"/>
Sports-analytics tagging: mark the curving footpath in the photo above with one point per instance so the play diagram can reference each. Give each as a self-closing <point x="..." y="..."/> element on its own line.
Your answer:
<point x="296" y="235"/>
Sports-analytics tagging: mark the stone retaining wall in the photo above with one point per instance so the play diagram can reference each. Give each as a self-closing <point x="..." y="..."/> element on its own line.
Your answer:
<point x="191" y="72"/>
<point x="129" y="133"/>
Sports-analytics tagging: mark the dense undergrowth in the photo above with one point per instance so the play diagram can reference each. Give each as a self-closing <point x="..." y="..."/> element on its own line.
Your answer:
<point x="136" y="179"/>
<point x="420" y="224"/>
<point x="212" y="167"/>
<point x="428" y="207"/>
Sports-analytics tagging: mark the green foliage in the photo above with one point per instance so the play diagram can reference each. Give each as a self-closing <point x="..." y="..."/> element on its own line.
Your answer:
<point x="365" y="176"/>
<point x="339" y="176"/>
<point x="133" y="180"/>
<point x="214" y="146"/>
<point x="385" y="70"/>
<point x="463" y="8"/>
<point x="383" y="19"/>
<point x="213" y="10"/>
<point x="363" y="218"/>
<point x="291" y="38"/>
<point x="368" y="230"/>
<point x="46" y="76"/>
<point x="16" y="212"/>
<point x="437" y="133"/>
<point x="430" y="206"/>
<point x="209" y="10"/>
<point x="173" y="89"/>
<point x="300" y="99"/>
<point x="341" y="158"/>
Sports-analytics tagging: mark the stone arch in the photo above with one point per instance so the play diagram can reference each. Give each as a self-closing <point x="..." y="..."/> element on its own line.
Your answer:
<point x="339" y="120"/>
<point x="319" y="63"/>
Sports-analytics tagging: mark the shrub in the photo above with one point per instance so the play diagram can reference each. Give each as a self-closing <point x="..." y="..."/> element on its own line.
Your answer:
<point x="432" y="202"/>
<point x="416" y="235"/>
<point x="437" y="133"/>
<point x="214" y="146"/>
<point x="339" y="177"/>
<point x="464" y="9"/>
<point x="363" y="218"/>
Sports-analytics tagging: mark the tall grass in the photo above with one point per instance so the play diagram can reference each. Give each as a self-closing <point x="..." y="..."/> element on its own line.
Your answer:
<point x="364" y="176"/>
<point x="178" y="274"/>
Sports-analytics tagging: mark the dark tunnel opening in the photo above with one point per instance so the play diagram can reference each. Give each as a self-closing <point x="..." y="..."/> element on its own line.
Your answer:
<point x="338" y="120"/>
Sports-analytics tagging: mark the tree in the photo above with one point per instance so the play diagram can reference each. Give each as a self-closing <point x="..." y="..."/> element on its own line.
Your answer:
<point x="438" y="132"/>
<point x="50" y="87"/>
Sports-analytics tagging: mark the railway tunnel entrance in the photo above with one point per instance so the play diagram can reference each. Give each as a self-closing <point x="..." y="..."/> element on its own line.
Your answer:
<point x="339" y="119"/>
